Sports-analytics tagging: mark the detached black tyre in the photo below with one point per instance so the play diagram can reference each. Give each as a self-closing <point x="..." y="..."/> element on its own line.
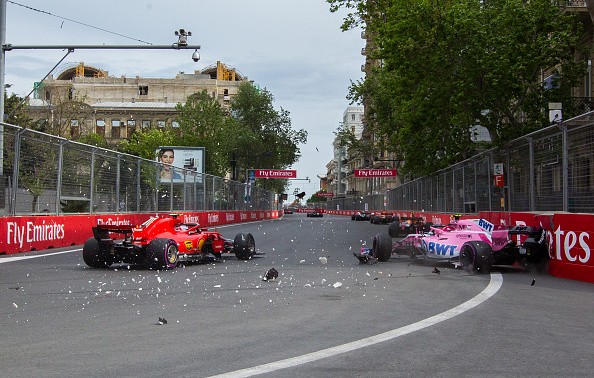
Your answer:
<point x="162" y="254"/>
<point x="95" y="256"/>
<point x="244" y="246"/>
<point x="476" y="257"/>
<point x="394" y="229"/>
<point x="382" y="247"/>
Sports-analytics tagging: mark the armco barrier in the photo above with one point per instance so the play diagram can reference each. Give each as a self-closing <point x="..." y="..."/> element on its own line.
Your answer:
<point x="30" y="233"/>
<point x="568" y="236"/>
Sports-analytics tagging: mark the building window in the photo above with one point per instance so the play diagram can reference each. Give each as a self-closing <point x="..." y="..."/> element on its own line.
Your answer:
<point x="115" y="129"/>
<point x="143" y="90"/>
<point x="74" y="128"/>
<point x="353" y="117"/>
<point x="131" y="127"/>
<point x="161" y="124"/>
<point x="100" y="127"/>
<point x="146" y="124"/>
<point x="175" y="124"/>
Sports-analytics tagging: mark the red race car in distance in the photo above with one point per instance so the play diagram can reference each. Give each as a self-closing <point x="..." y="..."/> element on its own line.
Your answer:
<point x="161" y="243"/>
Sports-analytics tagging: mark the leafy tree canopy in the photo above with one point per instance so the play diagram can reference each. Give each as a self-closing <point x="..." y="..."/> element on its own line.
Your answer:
<point x="264" y="136"/>
<point x="254" y="135"/>
<point x="449" y="65"/>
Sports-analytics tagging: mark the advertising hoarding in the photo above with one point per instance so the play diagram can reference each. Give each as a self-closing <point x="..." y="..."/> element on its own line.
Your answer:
<point x="175" y="160"/>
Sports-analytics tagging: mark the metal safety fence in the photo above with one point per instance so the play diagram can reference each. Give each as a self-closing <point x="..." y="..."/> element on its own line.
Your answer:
<point x="548" y="170"/>
<point x="45" y="174"/>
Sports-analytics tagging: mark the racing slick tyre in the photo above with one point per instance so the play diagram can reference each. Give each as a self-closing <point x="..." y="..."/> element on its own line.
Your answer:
<point x="162" y="254"/>
<point x="95" y="256"/>
<point x="394" y="229"/>
<point x="375" y="219"/>
<point x="476" y="257"/>
<point x="382" y="247"/>
<point x="244" y="246"/>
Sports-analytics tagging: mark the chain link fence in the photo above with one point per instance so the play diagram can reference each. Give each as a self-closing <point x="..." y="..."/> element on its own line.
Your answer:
<point x="548" y="170"/>
<point x="45" y="174"/>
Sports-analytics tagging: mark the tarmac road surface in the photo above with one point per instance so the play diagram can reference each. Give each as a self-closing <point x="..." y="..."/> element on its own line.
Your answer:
<point x="324" y="316"/>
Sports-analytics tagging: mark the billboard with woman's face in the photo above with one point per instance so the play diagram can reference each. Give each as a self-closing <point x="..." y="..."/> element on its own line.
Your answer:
<point x="178" y="160"/>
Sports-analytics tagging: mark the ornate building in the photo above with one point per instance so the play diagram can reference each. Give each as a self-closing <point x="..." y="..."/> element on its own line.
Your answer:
<point x="84" y="99"/>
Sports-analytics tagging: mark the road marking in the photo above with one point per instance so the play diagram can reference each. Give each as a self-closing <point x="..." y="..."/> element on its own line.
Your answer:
<point x="488" y="292"/>
<point x="18" y="258"/>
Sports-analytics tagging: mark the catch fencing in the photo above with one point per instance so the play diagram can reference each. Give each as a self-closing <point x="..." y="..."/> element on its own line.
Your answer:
<point x="45" y="174"/>
<point x="548" y="170"/>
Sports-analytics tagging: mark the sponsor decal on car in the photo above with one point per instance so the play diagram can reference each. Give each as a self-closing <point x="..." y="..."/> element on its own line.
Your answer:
<point x="439" y="249"/>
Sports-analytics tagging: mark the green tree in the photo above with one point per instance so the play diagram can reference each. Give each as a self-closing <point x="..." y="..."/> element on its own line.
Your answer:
<point x="264" y="136"/>
<point x="447" y="66"/>
<point x="315" y="199"/>
<point x="37" y="168"/>
<point x="144" y="142"/>
<point x="204" y="123"/>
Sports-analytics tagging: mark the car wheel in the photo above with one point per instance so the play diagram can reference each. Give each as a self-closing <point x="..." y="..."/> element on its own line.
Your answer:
<point x="375" y="220"/>
<point x="476" y="257"/>
<point x="95" y="256"/>
<point x="394" y="229"/>
<point x="244" y="246"/>
<point x="162" y="254"/>
<point x="382" y="247"/>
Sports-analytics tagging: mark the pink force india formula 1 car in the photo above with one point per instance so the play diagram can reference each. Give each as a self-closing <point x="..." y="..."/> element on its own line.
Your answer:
<point x="473" y="244"/>
<point x="161" y="243"/>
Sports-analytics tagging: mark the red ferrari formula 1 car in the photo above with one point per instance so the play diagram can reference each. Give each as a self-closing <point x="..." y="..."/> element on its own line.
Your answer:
<point x="161" y="243"/>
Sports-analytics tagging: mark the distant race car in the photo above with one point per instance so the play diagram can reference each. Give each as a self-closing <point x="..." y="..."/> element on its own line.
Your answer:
<point x="408" y="225"/>
<point x="474" y="244"/>
<point x="383" y="217"/>
<point x="161" y="243"/>
<point x="361" y="216"/>
<point x="315" y="213"/>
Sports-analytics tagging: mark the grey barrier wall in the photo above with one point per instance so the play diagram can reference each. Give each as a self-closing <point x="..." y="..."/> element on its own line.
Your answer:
<point x="548" y="170"/>
<point x="44" y="174"/>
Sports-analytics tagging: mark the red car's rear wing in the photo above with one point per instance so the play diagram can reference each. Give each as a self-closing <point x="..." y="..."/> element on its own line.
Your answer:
<point x="102" y="231"/>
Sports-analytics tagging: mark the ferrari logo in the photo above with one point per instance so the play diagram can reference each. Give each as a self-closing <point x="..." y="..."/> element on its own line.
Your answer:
<point x="189" y="245"/>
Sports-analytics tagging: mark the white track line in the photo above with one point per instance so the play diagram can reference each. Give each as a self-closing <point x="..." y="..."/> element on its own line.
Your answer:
<point x="18" y="258"/>
<point x="488" y="292"/>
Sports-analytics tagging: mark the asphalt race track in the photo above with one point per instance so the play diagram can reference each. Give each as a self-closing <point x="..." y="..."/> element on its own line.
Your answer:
<point x="325" y="315"/>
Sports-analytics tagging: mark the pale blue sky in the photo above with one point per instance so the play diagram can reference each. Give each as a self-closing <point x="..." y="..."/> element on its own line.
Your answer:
<point x="294" y="48"/>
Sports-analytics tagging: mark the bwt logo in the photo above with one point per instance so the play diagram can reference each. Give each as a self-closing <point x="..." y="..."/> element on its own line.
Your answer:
<point x="486" y="225"/>
<point x="213" y="218"/>
<point x="434" y="248"/>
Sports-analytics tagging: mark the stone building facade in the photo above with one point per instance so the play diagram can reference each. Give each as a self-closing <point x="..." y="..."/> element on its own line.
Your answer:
<point x="83" y="99"/>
